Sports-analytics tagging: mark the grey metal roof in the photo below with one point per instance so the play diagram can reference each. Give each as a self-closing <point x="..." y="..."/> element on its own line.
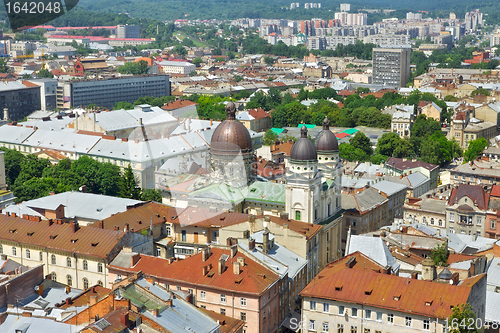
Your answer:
<point x="493" y="276"/>
<point x="62" y="140"/>
<point x="76" y="204"/>
<point x="14" y="134"/>
<point x="433" y="205"/>
<point x="492" y="313"/>
<point x="374" y="248"/>
<point x="53" y="124"/>
<point x="388" y="187"/>
<point x="123" y="119"/>
<point x="425" y="229"/>
<point x="467" y="244"/>
<point x="14" y="323"/>
<point x="417" y="178"/>
<point x="369" y="199"/>
<point x="370" y="168"/>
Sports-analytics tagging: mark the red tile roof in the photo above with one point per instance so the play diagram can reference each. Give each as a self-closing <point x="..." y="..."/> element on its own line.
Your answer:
<point x="458" y="257"/>
<point x="341" y="135"/>
<point x="258" y="113"/>
<point x="495" y="191"/>
<point x="84" y="298"/>
<point x="87" y="241"/>
<point x="139" y="216"/>
<point x="363" y="285"/>
<point x="306" y="229"/>
<point x="403" y="164"/>
<point x="180" y="103"/>
<point x="202" y="217"/>
<point x="475" y="192"/>
<point x="227" y="324"/>
<point x="255" y="278"/>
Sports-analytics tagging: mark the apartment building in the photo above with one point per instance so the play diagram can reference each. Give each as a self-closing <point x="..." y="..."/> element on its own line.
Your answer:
<point x="492" y="225"/>
<point x="428" y="211"/>
<point x="74" y="255"/>
<point x="402" y="167"/>
<point x="18" y="99"/>
<point x="480" y="171"/>
<point x="391" y="65"/>
<point x="401" y="123"/>
<point x="220" y="279"/>
<point x="107" y="92"/>
<point x="355" y="294"/>
<point x="466" y="210"/>
<point x="177" y="67"/>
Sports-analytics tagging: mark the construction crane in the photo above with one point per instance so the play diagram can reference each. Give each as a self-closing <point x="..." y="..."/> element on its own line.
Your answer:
<point x="25" y="56"/>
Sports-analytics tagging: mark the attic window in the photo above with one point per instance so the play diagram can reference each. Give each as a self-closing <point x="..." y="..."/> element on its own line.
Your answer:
<point x="99" y="209"/>
<point x="30" y="233"/>
<point x="238" y="280"/>
<point x="53" y="236"/>
<point x="253" y="190"/>
<point x="368" y="292"/>
<point x="338" y="288"/>
<point x="210" y="274"/>
<point x="397" y="297"/>
<point x="12" y="231"/>
<point x="95" y="244"/>
<point x="428" y="303"/>
<point x="140" y="222"/>
<point x="74" y="241"/>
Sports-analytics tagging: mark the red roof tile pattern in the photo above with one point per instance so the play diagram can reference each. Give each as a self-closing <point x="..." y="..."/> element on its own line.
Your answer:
<point x="367" y="287"/>
<point x="227" y="324"/>
<point x="255" y="278"/>
<point x="177" y="104"/>
<point x="458" y="257"/>
<point x="258" y="113"/>
<point x="84" y="298"/>
<point x="306" y="229"/>
<point x="403" y="164"/>
<point x="495" y="191"/>
<point x="88" y="241"/>
<point x="139" y="217"/>
<point x="202" y="217"/>
<point x="475" y="192"/>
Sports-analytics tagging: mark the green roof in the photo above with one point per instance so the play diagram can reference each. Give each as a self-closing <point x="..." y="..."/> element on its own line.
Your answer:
<point x="277" y="130"/>
<point x="350" y="131"/>
<point x="266" y="191"/>
<point x="308" y="126"/>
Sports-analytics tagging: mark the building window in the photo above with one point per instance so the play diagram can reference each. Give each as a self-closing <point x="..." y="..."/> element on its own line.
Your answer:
<point x="158" y="252"/>
<point x="354" y="312"/>
<point x="179" y="288"/>
<point x="312" y="325"/>
<point x="379" y="316"/>
<point x="223" y="311"/>
<point x="340" y="328"/>
<point x="54" y="276"/>
<point x="479" y="220"/>
<point x="167" y="231"/>
<point x="85" y="265"/>
<point x="14" y="251"/>
<point x="203" y="294"/>
<point x="341" y="310"/>
<point x="243" y="316"/>
<point x="85" y="283"/>
<point x="99" y="268"/>
<point x="325" y="326"/>
<point x="326" y="307"/>
<point x="432" y="221"/>
<point x="183" y="235"/>
<point x="390" y="318"/>
<point x="1" y="249"/>
<point x="312" y="305"/>
<point x="69" y="280"/>
<point x="451" y="230"/>
<point x="41" y="256"/>
<point x="223" y="298"/>
<point x="68" y="262"/>
<point x="99" y="283"/>
<point x="492" y="224"/>
<point x="203" y="306"/>
<point x="408" y="321"/>
<point x="354" y="329"/>
<point x="297" y="215"/>
<point x="427" y="324"/>
<point x="452" y="217"/>
<point x="53" y="259"/>
<point x="243" y="301"/>
<point x="28" y="254"/>
<point x="368" y="314"/>
<point x="440" y="222"/>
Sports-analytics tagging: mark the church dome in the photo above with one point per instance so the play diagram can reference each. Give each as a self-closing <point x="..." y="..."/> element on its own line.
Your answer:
<point x="303" y="149"/>
<point x="326" y="141"/>
<point x="231" y="136"/>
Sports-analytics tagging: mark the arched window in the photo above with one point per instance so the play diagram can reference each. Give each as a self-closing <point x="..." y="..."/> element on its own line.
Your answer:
<point x="53" y="259"/>
<point x="99" y="283"/>
<point x="432" y="220"/>
<point x="168" y="231"/>
<point x="28" y="254"/>
<point x="99" y="268"/>
<point x="297" y="215"/>
<point x="85" y="283"/>
<point x="54" y="276"/>
<point x="68" y="261"/>
<point x="85" y="265"/>
<point x="69" y="280"/>
<point x="424" y="220"/>
<point x="440" y="222"/>
<point x="14" y="251"/>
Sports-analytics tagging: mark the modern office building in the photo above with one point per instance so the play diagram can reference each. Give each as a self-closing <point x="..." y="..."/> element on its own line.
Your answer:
<point x="128" y="31"/>
<point x="18" y="99"/>
<point x="391" y="65"/>
<point x="107" y="92"/>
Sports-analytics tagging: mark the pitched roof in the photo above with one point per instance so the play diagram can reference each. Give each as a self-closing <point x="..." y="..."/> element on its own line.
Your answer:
<point x="404" y="164"/>
<point x="227" y="324"/>
<point x="202" y="217"/>
<point x="363" y="285"/>
<point x="255" y="278"/>
<point x="140" y="216"/>
<point x="88" y="241"/>
<point x="177" y="104"/>
<point x="259" y="113"/>
<point x="474" y="192"/>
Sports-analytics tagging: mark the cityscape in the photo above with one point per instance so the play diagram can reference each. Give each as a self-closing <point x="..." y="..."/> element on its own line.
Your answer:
<point x="249" y="167"/>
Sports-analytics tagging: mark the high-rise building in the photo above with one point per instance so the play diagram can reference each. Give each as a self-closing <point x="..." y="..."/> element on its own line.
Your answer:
<point x="473" y="20"/>
<point x="128" y="31"/>
<point x="352" y="19"/>
<point x="391" y="65"/>
<point x="345" y="7"/>
<point x="107" y="92"/>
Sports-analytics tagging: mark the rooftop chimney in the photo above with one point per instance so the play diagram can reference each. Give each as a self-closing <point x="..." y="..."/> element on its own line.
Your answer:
<point x="236" y="268"/>
<point x="251" y="244"/>
<point x="93" y="300"/>
<point x="221" y="266"/>
<point x="234" y="250"/>
<point x="135" y="258"/>
<point x="124" y="320"/>
<point x="265" y="241"/>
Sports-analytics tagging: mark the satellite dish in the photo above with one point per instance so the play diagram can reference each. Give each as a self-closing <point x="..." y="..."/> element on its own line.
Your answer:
<point x="37" y="288"/>
<point x="265" y="224"/>
<point x="451" y="282"/>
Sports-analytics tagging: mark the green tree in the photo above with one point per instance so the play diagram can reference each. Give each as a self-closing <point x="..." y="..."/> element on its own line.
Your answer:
<point x="361" y="141"/>
<point x="13" y="160"/>
<point x="237" y="78"/>
<point x="180" y="50"/>
<point x="270" y="137"/>
<point x="269" y="60"/>
<point x="350" y="153"/>
<point x="197" y="62"/>
<point x="475" y="148"/>
<point x="3" y="66"/>
<point x="439" y="254"/>
<point x="460" y="319"/>
<point x="480" y="91"/>
<point x="45" y="73"/>
<point x="134" y="67"/>
<point x="123" y="105"/>
<point x="129" y="187"/>
<point x="151" y="195"/>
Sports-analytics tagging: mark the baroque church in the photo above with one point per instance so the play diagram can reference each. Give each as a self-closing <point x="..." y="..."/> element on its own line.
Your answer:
<point x="310" y="191"/>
